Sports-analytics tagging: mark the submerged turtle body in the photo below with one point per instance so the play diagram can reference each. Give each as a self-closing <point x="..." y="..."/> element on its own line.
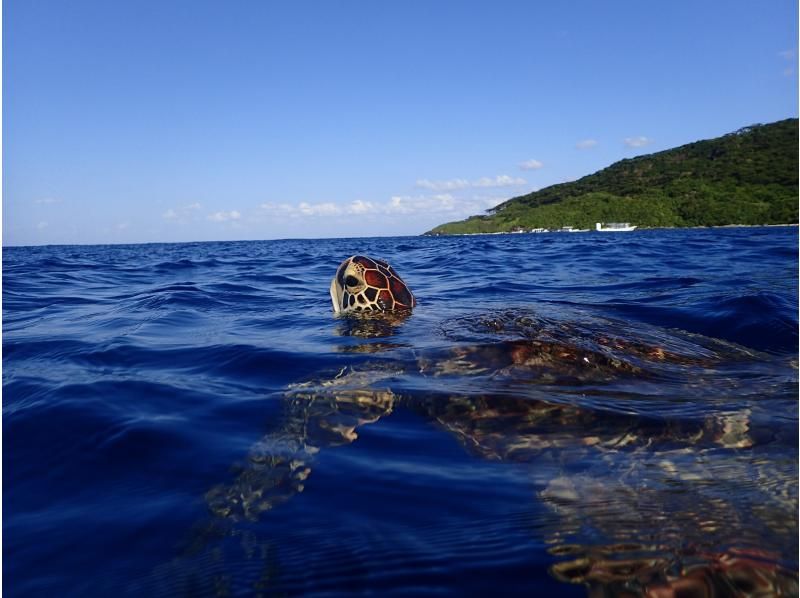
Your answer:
<point x="512" y="350"/>
<point x="363" y="284"/>
<point x="505" y="350"/>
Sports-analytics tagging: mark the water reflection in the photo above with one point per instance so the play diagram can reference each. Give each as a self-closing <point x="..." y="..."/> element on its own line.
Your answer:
<point x="680" y="485"/>
<point x="371" y="324"/>
<point x="624" y="570"/>
<point x="640" y="505"/>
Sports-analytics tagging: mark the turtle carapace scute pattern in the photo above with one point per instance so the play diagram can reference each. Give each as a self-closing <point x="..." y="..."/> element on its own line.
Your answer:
<point x="364" y="284"/>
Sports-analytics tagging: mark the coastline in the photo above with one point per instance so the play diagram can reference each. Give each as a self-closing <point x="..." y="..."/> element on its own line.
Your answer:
<point x="508" y="232"/>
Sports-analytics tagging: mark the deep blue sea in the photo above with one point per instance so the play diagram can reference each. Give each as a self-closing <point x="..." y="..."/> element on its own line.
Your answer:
<point x="562" y="414"/>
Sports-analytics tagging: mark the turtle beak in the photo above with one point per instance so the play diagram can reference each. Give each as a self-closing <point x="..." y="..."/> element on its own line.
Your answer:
<point x="336" y="296"/>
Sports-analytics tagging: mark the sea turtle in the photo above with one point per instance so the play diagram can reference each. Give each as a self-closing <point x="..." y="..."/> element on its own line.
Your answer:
<point x="638" y="471"/>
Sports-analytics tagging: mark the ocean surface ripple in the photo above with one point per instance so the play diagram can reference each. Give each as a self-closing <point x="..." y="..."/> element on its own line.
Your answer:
<point x="562" y="413"/>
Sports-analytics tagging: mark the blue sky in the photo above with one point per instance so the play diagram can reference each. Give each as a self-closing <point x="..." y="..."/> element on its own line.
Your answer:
<point x="140" y="121"/>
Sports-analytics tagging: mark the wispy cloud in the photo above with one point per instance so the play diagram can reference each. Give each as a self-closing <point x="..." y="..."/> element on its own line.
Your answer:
<point x="451" y="198"/>
<point x="411" y="204"/>
<point x="397" y="205"/>
<point x="530" y="165"/>
<point x="360" y="206"/>
<point x="46" y="200"/>
<point x="586" y="144"/>
<point x="224" y="216"/>
<point x="326" y="208"/>
<point x="789" y="56"/>
<point x="499" y="181"/>
<point x="280" y="208"/>
<point x="182" y="213"/>
<point x="42" y="225"/>
<point x="502" y="180"/>
<point x="639" y="141"/>
<point x="449" y="185"/>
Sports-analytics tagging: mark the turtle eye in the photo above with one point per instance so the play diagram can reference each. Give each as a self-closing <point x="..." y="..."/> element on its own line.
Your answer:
<point x="351" y="281"/>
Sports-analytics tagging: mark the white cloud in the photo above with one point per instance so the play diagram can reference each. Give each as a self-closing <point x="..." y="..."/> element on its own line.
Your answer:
<point x="450" y="185"/>
<point x="396" y="205"/>
<point x="639" y="141"/>
<point x="283" y="208"/>
<point x="294" y="210"/>
<point x="410" y="204"/>
<point x="530" y="164"/>
<point x="443" y="204"/>
<point x="123" y="225"/>
<point x="360" y="206"/>
<point x="502" y="180"/>
<point x="46" y="200"/>
<point x="319" y="209"/>
<point x="42" y="225"/>
<point x="789" y="56"/>
<point x="224" y="216"/>
<point x="182" y="213"/>
<point x="328" y="208"/>
<point x="586" y="144"/>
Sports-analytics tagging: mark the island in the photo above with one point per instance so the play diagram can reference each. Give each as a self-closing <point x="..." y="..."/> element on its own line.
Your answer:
<point x="747" y="177"/>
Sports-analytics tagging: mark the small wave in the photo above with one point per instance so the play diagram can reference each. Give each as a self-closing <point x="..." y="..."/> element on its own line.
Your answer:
<point x="763" y="320"/>
<point x="185" y="263"/>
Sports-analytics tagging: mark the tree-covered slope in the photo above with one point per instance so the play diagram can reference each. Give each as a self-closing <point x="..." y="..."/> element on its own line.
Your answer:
<point x="745" y="177"/>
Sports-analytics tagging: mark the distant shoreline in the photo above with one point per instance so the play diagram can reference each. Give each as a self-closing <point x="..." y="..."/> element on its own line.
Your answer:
<point x="638" y="228"/>
<point x="426" y="234"/>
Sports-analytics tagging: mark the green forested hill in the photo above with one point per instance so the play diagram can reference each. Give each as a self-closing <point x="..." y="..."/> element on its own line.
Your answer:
<point x="745" y="177"/>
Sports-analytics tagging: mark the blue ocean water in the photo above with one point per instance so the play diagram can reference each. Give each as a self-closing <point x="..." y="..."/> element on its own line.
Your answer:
<point x="562" y="413"/>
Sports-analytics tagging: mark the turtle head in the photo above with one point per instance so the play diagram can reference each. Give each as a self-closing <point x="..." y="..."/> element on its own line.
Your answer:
<point x="365" y="284"/>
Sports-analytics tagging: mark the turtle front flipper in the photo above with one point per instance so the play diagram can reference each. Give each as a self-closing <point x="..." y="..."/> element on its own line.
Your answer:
<point x="279" y="464"/>
<point x="274" y="472"/>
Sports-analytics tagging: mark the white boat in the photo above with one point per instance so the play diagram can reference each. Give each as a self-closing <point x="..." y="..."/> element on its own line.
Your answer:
<point x="539" y="230"/>
<point x="615" y="227"/>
